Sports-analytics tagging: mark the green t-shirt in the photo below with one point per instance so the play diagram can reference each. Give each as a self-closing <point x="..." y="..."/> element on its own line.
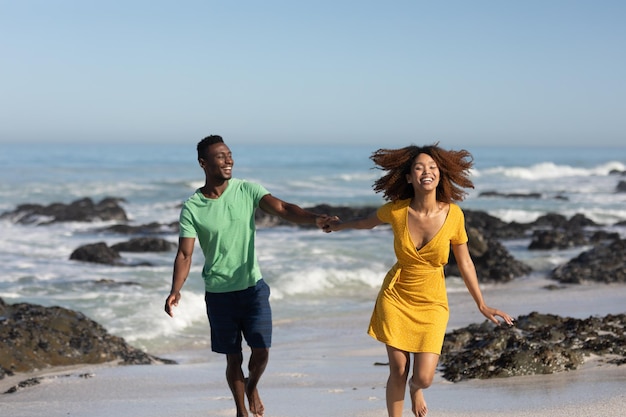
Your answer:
<point x="225" y="229"/>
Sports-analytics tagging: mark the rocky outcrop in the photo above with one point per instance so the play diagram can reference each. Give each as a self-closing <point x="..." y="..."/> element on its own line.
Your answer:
<point x="101" y="253"/>
<point x="153" y="228"/>
<point x="550" y="231"/>
<point x="83" y="210"/>
<point x="558" y="221"/>
<point x="144" y="244"/>
<point x="537" y="344"/>
<point x="534" y="196"/>
<point x="493" y="227"/>
<point x="602" y="263"/>
<point x="36" y="337"/>
<point x="557" y="239"/>
<point x="492" y="260"/>
<point x="555" y="231"/>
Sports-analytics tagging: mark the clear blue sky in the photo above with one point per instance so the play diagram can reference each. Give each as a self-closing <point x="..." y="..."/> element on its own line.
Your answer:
<point x="532" y="72"/>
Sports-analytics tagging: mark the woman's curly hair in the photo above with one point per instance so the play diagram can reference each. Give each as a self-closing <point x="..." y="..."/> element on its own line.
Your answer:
<point x="453" y="166"/>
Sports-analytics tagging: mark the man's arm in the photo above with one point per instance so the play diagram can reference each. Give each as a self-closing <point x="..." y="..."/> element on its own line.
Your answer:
<point x="182" y="266"/>
<point x="291" y="212"/>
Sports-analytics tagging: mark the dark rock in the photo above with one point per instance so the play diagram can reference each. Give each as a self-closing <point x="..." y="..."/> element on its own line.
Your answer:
<point x="36" y="337"/>
<point x="603" y="236"/>
<point x="144" y="244"/>
<point x="548" y="231"/>
<point x="557" y="239"/>
<point x="559" y="221"/>
<point x="579" y="221"/>
<point x="83" y="210"/>
<point x="555" y="231"/>
<point x="492" y="260"/>
<point x="510" y="195"/>
<point x="621" y="186"/>
<point x="112" y="283"/>
<point x="99" y="253"/>
<point x="538" y="344"/>
<point x="602" y="263"/>
<point x="144" y="229"/>
<point x="550" y="220"/>
<point x="493" y="227"/>
<point x="31" y="382"/>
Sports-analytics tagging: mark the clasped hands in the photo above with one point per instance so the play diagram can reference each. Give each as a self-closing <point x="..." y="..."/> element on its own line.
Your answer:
<point x="327" y="223"/>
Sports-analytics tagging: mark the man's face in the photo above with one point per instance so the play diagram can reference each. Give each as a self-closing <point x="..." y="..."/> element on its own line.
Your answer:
<point x="218" y="162"/>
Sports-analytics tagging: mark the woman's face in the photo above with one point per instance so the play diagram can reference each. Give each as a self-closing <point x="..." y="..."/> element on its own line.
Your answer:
<point x="424" y="174"/>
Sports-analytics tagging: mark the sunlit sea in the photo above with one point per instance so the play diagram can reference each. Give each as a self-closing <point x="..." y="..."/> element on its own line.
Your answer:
<point x="309" y="272"/>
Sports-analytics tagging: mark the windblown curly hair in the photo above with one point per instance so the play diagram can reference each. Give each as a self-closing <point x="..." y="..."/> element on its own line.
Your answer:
<point x="453" y="166"/>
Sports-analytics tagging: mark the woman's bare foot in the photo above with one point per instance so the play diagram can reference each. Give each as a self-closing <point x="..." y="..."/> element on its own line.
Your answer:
<point x="254" y="400"/>
<point x="418" y="404"/>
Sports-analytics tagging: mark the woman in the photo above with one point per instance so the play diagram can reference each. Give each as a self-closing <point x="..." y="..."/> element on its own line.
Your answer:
<point x="411" y="311"/>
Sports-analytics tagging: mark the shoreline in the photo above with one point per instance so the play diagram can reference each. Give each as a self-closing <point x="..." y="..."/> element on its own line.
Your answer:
<point x="324" y="364"/>
<point x="308" y="382"/>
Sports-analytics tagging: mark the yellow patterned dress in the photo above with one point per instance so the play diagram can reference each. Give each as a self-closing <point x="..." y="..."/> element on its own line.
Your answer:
<point x="411" y="312"/>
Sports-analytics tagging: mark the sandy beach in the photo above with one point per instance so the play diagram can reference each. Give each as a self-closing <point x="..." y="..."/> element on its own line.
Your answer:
<point x="305" y="383"/>
<point x="333" y="372"/>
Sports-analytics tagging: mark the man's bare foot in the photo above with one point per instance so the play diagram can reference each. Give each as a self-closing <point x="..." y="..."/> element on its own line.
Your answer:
<point x="418" y="404"/>
<point x="254" y="400"/>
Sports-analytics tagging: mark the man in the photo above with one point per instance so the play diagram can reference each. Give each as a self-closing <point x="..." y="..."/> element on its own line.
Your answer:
<point x="221" y="216"/>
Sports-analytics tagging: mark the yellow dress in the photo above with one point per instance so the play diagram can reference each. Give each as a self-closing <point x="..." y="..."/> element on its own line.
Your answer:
<point x="411" y="311"/>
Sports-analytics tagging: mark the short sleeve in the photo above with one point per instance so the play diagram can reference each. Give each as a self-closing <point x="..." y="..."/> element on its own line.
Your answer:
<point x="256" y="191"/>
<point x="460" y="234"/>
<point x="187" y="228"/>
<point x="384" y="212"/>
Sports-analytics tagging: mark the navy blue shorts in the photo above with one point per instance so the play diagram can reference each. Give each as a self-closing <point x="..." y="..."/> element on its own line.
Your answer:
<point x="235" y="314"/>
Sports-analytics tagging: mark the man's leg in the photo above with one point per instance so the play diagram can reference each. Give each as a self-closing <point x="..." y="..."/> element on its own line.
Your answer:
<point x="236" y="382"/>
<point x="257" y="330"/>
<point x="256" y="367"/>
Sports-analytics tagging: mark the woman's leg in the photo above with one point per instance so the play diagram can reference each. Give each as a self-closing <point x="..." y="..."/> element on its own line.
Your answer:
<point x="424" y="366"/>
<point x="399" y="362"/>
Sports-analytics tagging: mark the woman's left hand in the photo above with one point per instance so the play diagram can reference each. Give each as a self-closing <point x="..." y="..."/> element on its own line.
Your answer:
<point x="492" y="314"/>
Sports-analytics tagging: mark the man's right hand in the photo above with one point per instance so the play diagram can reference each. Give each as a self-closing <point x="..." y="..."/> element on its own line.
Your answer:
<point x="171" y="302"/>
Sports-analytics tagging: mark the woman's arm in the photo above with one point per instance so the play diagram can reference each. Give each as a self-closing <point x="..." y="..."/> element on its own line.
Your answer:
<point x="468" y="272"/>
<point x="368" y="222"/>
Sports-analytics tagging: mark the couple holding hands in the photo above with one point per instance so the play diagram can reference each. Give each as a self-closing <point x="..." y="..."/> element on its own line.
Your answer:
<point x="421" y="185"/>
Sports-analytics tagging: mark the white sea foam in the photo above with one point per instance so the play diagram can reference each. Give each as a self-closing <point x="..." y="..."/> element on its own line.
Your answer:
<point x="550" y="170"/>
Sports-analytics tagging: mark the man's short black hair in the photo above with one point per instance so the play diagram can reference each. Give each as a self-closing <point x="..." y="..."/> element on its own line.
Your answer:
<point x="206" y="142"/>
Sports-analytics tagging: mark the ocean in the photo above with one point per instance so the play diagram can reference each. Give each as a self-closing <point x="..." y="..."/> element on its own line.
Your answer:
<point x="312" y="274"/>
